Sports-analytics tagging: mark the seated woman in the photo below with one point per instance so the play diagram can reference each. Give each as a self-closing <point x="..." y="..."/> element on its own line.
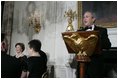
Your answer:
<point x="37" y="61"/>
<point x="20" y="47"/>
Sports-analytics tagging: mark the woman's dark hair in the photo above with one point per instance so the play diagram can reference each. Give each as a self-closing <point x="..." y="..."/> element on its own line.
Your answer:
<point x="21" y="45"/>
<point x="35" y="44"/>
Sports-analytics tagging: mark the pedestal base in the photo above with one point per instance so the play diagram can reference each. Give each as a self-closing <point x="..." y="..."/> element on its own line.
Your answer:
<point x="82" y="60"/>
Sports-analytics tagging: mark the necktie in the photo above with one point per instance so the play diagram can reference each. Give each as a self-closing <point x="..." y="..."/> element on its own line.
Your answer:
<point x="88" y="27"/>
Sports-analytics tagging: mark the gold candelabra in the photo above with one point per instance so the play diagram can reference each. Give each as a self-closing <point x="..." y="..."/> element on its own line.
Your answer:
<point x="34" y="20"/>
<point x="70" y="14"/>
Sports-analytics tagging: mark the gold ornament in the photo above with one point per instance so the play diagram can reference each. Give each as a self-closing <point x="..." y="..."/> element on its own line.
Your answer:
<point x="70" y="14"/>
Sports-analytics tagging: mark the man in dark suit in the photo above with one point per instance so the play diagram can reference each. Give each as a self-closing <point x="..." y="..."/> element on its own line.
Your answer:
<point x="10" y="67"/>
<point x="95" y="68"/>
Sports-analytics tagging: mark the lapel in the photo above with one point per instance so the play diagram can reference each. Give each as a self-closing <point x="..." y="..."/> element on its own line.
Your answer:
<point x="96" y="28"/>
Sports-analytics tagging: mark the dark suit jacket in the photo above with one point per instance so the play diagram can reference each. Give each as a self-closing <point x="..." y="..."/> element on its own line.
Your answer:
<point x="105" y="42"/>
<point x="10" y="66"/>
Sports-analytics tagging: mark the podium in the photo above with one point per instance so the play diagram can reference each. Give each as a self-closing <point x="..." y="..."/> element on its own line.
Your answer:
<point x="83" y="44"/>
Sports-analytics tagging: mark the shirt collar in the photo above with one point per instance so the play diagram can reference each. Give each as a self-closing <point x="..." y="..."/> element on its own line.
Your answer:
<point x="93" y="26"/>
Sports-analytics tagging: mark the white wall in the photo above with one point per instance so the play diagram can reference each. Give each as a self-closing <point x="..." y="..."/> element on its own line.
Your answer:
<point x="53" y="23"/>
<point x="112" y="32"/>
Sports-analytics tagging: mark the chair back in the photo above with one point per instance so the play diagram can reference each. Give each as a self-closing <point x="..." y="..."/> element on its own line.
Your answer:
<point x="45" y="74"/>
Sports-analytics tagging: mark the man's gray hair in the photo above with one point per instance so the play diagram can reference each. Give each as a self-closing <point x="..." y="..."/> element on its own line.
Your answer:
<point x="93" y="14"/>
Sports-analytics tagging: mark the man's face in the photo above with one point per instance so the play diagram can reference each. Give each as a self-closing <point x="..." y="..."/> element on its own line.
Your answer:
<point x="88" y="19"/>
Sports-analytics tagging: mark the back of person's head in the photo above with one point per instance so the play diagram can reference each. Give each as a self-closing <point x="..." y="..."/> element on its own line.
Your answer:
<point x="4" y="43"/>
<point x="35" y="44"/>
<point x="21" y="45"/>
